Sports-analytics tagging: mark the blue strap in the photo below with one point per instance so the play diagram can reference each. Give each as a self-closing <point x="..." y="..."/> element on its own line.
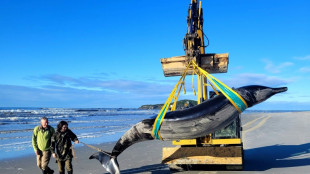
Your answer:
<point x="157" y="123"/>
<point x="239" y="103"/>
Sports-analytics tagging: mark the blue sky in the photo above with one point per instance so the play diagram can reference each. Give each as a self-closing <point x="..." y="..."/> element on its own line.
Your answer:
<point x="107" y="53"/>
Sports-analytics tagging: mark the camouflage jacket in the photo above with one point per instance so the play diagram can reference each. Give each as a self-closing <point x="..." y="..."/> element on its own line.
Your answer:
<point x="62" y="142"/>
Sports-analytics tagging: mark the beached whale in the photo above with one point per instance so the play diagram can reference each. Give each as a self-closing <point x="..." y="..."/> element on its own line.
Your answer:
<point x="198" y="121"/>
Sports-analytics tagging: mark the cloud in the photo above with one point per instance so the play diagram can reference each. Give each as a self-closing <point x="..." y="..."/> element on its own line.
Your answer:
<point x="65" y="91"/>
<point x="307" y="57"/>
<point x="270" y="67"/>
<point x="56" y="96"/>
<point x="255" y="79"/>
<point x="237" y="68"/>
<point x="116" y="85"/>
<point x="59" y="79"/>
<point x="56" y="90"/>
<point x="304" y="69"/>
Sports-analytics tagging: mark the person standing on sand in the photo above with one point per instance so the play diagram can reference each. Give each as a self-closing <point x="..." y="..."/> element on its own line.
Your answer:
<point x="41" y="142"/>
<point x="62" y="141"/>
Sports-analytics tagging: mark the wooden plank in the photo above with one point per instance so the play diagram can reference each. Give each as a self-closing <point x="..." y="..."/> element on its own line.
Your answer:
<point x="212" y="63"/>
<point x="203" y="155"/>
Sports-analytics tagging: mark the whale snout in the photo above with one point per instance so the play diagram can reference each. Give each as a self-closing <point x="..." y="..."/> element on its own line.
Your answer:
<point x="279" y="90"/>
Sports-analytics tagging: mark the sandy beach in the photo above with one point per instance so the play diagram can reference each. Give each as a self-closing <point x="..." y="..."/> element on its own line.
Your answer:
<point x="139" y="158"/>
<point x="273" y="143"/>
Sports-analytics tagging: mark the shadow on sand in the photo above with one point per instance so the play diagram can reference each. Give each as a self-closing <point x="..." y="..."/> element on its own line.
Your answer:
<point x="257" y="159"/>
<point x="154" y="169"/>
<point x="277" y="156"/>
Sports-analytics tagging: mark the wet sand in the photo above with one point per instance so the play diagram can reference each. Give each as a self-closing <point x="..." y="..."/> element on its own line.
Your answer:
<point x="139" y="158"/>
<point x="273" y="143"/>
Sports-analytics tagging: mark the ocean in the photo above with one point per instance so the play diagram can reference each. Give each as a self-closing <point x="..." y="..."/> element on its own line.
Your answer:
<point x="92" y="126"/>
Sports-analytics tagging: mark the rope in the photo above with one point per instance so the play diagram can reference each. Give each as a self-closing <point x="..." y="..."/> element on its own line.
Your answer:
<point x="193" y="75"/>
<point x="236" y="100"/>
<point x="176" y="98"/>
<point x="217" y="93"/>
<point x="95" y="148"/>
<point x="163" y="111"/>
<point x="73" y="152"/>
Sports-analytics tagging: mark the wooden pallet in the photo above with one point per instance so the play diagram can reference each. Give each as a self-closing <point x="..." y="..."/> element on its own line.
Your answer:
<point x="213" y="155"/>
<point x="212" y="63"/>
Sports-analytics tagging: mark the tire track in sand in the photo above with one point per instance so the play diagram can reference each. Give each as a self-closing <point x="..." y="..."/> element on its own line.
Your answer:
<point x="260" y="124"/>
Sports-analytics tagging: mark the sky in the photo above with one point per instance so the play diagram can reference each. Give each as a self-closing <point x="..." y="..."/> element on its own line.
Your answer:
<point x="98" y="53"/>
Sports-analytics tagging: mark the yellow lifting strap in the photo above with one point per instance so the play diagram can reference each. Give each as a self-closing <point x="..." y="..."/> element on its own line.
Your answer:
<point x="236" y="100"/>
<point x="193" y="75"/>
<point x="163" y="111"/>
<point x="217" y="93"/>
<point x="179" y="90"/>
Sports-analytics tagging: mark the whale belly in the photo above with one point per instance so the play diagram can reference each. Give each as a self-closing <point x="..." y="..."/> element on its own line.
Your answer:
<point x="198" y="126"/>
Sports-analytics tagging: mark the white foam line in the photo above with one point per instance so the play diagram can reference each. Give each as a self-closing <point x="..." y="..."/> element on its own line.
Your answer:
<point x="13" y="144"/>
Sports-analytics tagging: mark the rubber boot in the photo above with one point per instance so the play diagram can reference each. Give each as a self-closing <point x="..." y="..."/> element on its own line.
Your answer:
<point x="49" y="171"/>
<point x="70" y="172"/>
<point x="44" y="171"/>
<point x="61" y="172"/>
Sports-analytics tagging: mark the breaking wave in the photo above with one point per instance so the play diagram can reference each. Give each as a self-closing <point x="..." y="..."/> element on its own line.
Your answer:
<point x="91" y="125"/>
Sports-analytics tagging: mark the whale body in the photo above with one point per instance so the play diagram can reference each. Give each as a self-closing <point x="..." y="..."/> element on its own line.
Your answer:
<point x="198" y="121"/>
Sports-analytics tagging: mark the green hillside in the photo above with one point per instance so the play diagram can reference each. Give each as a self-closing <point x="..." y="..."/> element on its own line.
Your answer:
<point x="182" y="104"/>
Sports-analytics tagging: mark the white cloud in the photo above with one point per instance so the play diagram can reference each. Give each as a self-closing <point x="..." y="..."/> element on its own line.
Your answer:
<point x="64" y="91"/>
<point x="304" y="69"/>
<point x="111" y="85"/>
<point x="237" y="68"/>
<point x="307" y="57"/>
<point x="270" y="67"/>
<point x="55" y="96"/>
<point x="256" y="79"/>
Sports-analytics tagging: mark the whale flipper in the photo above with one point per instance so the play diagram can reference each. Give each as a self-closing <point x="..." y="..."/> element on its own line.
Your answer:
<point x="108" y="162"/>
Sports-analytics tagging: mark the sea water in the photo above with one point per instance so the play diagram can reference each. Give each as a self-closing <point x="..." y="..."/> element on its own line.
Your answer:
<point x="92" y="126"/>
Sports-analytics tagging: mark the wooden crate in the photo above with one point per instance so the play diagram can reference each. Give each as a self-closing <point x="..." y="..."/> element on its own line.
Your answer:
<point x="213" y="155"/>
<point x="212" y="63"/>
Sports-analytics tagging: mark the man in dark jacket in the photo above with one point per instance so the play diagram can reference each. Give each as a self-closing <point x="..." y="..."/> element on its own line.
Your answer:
<point x="61" y="140"/>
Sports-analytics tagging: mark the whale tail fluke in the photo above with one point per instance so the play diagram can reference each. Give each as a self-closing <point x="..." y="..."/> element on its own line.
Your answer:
<point x="107" y="161"/>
